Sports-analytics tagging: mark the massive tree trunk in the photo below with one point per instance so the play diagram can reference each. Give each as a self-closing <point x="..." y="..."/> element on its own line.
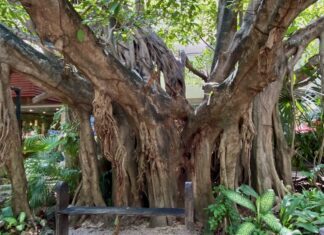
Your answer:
<point x="172" y="143"/>
<point x="10" y="145"/>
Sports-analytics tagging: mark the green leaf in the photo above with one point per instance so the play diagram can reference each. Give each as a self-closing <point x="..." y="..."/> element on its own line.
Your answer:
<point x="239" y="199"/>
<point x="7" y="212"/>
<point x="266" y="201"/>
<point x="272" y="222"/>
<point x="20" y="227"/>
<point x="21" y="217"/>
<point x="11" y="221"/>
<point x="245" y="229"/>
<point x="115" y="8"/>
<point x="247" y="190"/>
<point x="80" y="35"/>
<point x="286" y="231"/>
<point x="308" y="227"/>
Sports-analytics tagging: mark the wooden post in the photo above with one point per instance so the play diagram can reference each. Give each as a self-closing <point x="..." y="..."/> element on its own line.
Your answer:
<point x="189" y="206"/>
<point x="62" y="202"/>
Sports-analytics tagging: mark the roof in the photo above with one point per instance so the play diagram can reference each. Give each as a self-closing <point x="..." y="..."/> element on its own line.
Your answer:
<point x="27" y="88"/>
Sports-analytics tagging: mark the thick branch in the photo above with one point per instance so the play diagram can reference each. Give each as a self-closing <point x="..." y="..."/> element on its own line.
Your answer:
<point x="57" y="21"/>
<point x="255" y="58"/>
<point x="191" y="68"/>
<point x="302" y="37"/>
<point x="226" y="27"/>
<point x="306" y="74"/>
<point x="46" y="72"/>
<point x="263" y="23"/>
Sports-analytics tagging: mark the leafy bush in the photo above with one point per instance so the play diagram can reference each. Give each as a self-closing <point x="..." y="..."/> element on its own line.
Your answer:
<point x="9" y="224"/>
<point x="44" y="158"/>
<point x="43" y="171"/>
<point x="303" y="211"/>
<point x="221" y="209"/>
<point x="260" y="219"/>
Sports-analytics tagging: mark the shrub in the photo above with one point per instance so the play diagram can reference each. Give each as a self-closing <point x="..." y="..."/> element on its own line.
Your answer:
<point x="303" y="211"/>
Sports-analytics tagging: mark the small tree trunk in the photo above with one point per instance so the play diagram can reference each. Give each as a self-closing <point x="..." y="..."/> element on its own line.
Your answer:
<point x="71" y="160"/>
<point x="203" y="147"/>
<point x="282" y="151"/>
<point x="265" y="174"/>
<point x="11" y="146"/>
<point x="90" y="192"/>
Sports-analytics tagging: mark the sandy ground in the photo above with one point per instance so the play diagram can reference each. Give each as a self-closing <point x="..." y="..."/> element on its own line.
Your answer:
<point x="141" y="229"/>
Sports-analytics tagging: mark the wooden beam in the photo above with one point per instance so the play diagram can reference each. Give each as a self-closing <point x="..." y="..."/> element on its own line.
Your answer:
<point x="129" y="211"/>
<point x="40" y="97"/>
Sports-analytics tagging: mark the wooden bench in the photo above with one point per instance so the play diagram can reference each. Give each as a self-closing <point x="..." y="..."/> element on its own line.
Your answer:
<point x="63" y="212"/>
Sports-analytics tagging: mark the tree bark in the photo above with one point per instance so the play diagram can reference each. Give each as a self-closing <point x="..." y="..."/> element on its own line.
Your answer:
<point x="251" y="63"/>
<point x="47" y="72"/>
<point x="90" y="194"/>
<point x="11" y="153"/>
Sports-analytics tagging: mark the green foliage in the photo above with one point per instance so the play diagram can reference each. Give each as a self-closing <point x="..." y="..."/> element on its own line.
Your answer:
<point x="307" y="113"/>
<point x="239" y="199"/>
<point x="11" y="224"/>
<point x="246" y="229"/>
<point x="183" y="21"/>
<point x="261" y="219"/>
<point x="313" y="173"/>
<point x="13" y="15"/>
<point x="222" y="209"/>
<point x="174" y="21"/>
<point x="43" y="171"/>
<point x="43" y="168"/>
<point x="266" y="201"/>
<point x="314" y="11"/>
<point x="303" y="211"/>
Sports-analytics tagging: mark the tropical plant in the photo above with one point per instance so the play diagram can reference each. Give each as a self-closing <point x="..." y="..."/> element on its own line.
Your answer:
<point x="43" y="171"/>
<point x="43" y="165"/>
<point x="221" y="209"/>
<point x="300" y="108"/>
<point x="313" y="174"/>
<point x="303" y="211"/>
<point x="9" y="224"/>
<point x="262" y="220"/>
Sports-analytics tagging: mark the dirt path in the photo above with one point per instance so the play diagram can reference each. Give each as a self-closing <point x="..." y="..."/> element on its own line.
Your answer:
<point x="141" y="229"/>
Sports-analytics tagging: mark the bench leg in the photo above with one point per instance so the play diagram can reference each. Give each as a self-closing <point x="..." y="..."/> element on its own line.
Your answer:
<point x="62" y="202"/>
<point x="62" y="224"/>
<point x="189" y="206"/>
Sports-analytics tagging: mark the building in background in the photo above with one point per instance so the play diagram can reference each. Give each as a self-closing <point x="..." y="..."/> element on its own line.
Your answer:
<point x="35" y="117"/>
